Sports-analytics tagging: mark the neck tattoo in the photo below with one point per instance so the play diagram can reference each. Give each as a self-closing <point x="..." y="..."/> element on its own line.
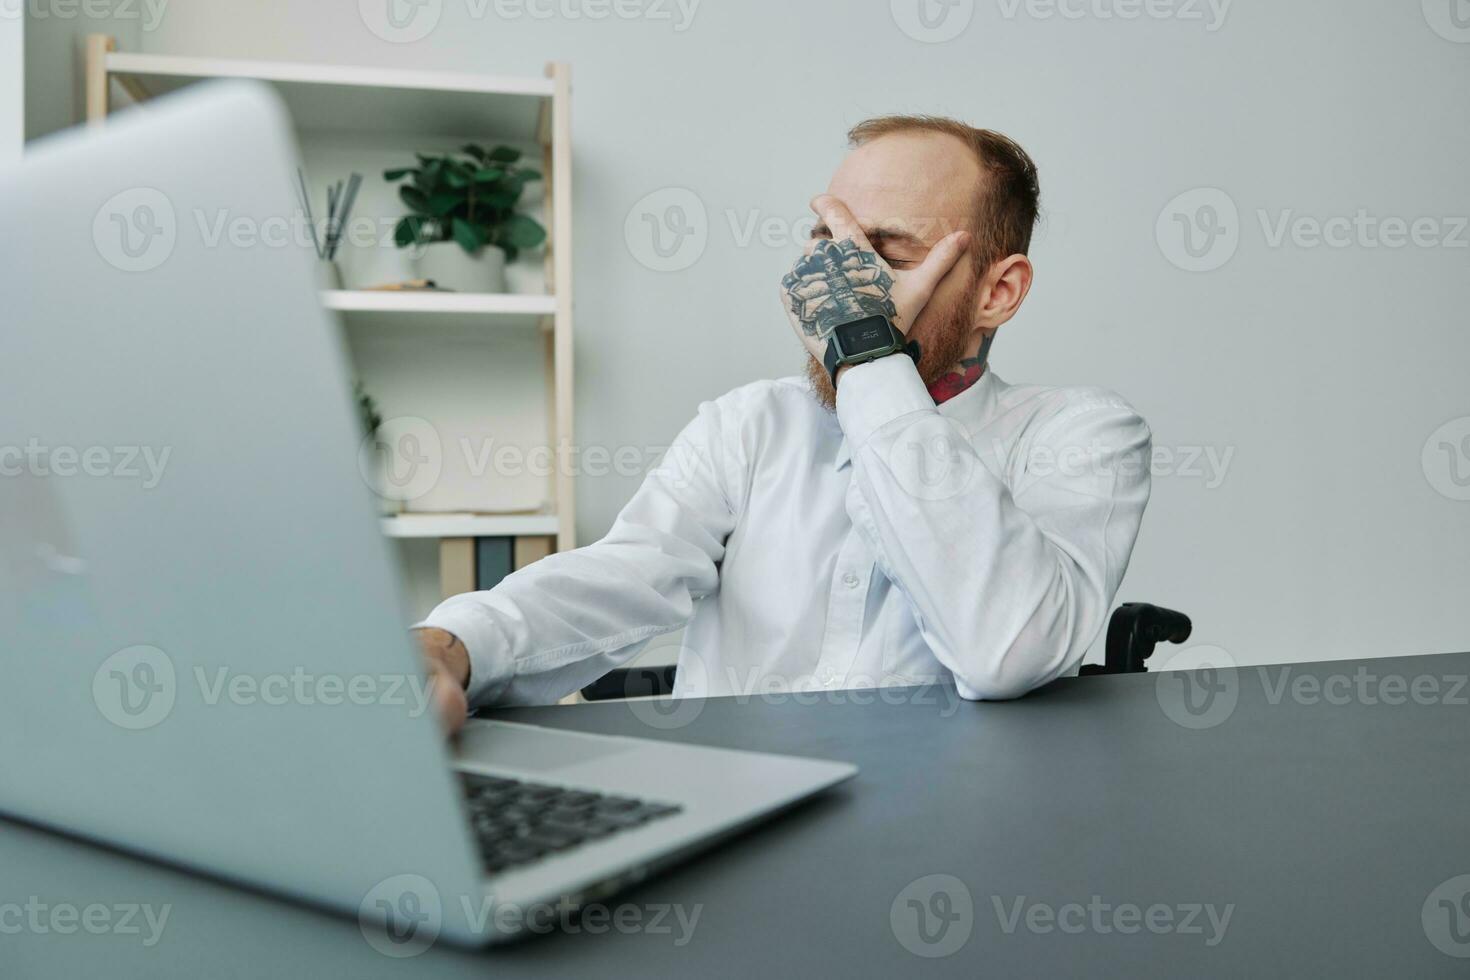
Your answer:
<point x="962" y="376"/>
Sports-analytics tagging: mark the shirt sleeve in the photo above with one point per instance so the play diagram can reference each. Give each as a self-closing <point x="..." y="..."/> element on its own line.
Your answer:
<point x="1009" y="579"/>
<point x="566" y="620"/>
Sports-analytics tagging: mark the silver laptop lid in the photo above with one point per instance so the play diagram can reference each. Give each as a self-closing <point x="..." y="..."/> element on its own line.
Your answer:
<point x="204" y="652"/>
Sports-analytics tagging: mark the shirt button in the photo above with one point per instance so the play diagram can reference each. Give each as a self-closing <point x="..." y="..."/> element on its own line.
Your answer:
<point x="850" y="580"/>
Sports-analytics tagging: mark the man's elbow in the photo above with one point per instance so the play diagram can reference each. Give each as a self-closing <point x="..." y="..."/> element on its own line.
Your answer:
<point x="999" y="682"/>
<point x="1045" y="647"/>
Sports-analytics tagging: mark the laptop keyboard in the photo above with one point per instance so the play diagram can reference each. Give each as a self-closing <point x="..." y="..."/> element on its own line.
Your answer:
<point x="517" y="822"/>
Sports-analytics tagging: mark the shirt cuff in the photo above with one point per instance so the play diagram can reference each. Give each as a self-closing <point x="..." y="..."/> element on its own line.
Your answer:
<point x="871" y="395"/>
<point x="491" y="667"/>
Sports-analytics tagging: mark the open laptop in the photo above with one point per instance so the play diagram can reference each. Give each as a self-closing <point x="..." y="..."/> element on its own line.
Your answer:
<point x="205" y="653"/>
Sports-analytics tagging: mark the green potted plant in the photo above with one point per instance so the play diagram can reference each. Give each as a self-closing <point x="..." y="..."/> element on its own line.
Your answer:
<point x="367" y="411"/>
<point x="373" y="456"/>
<point x="462" y="221"/>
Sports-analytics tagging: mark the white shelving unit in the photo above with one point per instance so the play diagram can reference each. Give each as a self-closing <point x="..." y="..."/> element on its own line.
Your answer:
<point x="375" y="111"/>
<point x="469" y="525"/>
<point x="386" y="101"/>
<point x="484" y="311"/>
<point x="430" y="305"/>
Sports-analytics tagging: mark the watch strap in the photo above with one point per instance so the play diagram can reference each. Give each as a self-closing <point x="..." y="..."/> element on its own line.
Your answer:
<point x="829" y="360"/>
<point x="829" y="356"/>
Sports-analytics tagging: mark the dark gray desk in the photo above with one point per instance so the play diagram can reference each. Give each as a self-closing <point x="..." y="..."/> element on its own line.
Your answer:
<point x="1326" y="825"/>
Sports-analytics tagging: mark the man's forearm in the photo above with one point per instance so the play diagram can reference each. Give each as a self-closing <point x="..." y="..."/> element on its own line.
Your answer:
<point x="561" y="623"/>
<point x="1008" y="588"/>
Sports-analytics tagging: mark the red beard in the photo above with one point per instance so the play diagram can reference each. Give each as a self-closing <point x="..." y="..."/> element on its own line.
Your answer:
<point x="941" y="345"/>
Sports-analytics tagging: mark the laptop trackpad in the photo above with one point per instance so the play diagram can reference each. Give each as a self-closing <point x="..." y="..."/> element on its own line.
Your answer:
<point x="532" y="748"/>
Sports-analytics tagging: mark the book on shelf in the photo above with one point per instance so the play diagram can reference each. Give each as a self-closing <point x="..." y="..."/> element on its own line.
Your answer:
<point x="477" y="564"/>
<point x="456" y="566"/>
<point x="494" y="560"/>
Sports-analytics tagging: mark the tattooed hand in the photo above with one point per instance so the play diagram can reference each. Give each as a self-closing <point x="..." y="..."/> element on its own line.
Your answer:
<point x="835" y="283"/>
<point x="844" y="278"/>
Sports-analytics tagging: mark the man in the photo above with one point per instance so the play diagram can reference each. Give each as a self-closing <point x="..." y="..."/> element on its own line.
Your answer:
<point x="904" y="519"/>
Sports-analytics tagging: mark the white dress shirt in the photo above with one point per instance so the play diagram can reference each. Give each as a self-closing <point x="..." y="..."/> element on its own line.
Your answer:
<point x="895" y="542"/>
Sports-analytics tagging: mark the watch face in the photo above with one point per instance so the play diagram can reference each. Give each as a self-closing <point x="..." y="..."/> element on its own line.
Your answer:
<point x="864" y="336"/>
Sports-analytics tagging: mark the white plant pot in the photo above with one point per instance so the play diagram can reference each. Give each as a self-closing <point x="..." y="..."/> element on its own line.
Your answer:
<point x="451" y="267"/>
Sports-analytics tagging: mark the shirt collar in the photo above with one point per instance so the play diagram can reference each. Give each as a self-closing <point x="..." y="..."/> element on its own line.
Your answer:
<point x="969" y="408"/>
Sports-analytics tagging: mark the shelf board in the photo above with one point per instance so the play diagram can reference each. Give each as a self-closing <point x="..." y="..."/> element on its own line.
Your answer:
<point x="473" y="311"/>
<point x="334" y="98"/>
<point x="431" y="303"/>
<point x="469" y="525"/>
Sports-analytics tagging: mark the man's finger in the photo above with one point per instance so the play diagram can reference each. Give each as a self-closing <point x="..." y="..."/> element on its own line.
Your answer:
<point x="839" y="220"/>
<point x="448" y="697"/>
<point x="920" y="283"/>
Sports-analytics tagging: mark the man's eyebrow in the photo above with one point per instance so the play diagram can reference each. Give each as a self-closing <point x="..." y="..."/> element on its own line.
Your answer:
<point x="877" y="235"/>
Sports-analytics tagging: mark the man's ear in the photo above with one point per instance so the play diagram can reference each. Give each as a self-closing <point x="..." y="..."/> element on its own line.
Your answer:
<point x="1006" y="284"/>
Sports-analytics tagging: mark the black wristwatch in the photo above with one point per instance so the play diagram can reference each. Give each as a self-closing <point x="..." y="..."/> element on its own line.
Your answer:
<point x="867" y="339"/>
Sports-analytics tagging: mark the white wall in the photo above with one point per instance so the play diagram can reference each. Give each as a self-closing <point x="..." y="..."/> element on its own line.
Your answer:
<point x="56" y="54"/>
<point x="1322" y="371"/>
<point x="12" y="85"/>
